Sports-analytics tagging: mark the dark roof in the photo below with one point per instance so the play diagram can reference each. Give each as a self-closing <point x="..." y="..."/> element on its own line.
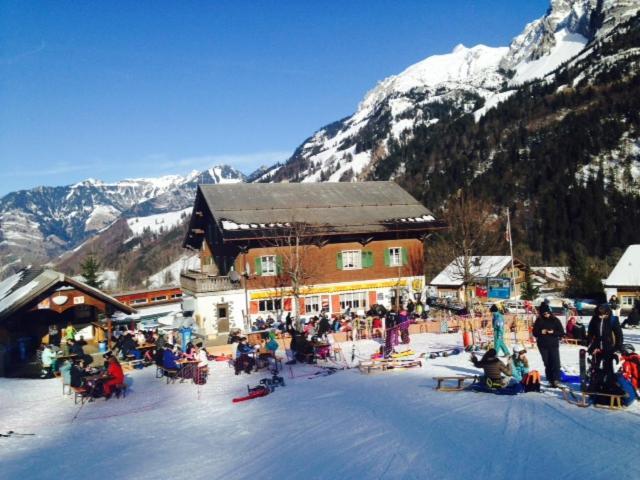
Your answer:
<point x="24" y="288"/>
<point x="346" y="207"/>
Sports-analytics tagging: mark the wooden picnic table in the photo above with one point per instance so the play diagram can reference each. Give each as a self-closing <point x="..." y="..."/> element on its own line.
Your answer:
<point x="146" y="346"/>
<point x="62" y="358"/>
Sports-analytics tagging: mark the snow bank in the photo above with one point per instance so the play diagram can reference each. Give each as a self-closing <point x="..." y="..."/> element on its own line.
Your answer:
<point x="155" y="223"/>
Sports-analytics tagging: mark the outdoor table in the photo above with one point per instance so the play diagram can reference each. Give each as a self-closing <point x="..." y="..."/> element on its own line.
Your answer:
<point x="62" y="358"/>
<point x="146" y="346"/>
<point x="92" y="381"/>
<point x="187" y="368"/>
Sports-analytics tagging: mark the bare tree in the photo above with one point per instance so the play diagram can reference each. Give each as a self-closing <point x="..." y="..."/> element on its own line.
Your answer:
<point x="474" y="230"/>
<point x="295" y="248"/>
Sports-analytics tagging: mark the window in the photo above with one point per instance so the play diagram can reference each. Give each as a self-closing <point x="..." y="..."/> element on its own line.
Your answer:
<point x="268" y="263"/>
<point x="159" y="299"/>
<point x="222" y="312"/>
<point x="138" y="301"/>
<point x="628" y="301"/>
<point x="351" y="259"/>
<point x="353" y="300"/>
<point x="312" y="304"/>
<point x="176" y="295"/>
<point x="270" y="305"/>
<point x="395" y="257"/>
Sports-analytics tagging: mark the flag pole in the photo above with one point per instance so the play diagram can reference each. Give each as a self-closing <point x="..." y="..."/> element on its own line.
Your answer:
<point x="513" y="280"/>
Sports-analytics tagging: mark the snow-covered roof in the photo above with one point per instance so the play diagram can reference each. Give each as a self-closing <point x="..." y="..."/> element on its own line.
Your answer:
<point x="627" y="271"/>
<point x="554" y="274"/>
<point x="26" y="286"/>
<point x="481" y="267"/>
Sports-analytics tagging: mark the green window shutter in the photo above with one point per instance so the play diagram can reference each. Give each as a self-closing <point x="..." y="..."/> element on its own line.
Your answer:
<point x="387" y="258"/>
<point x="339" y="261"/>
<point x="367" y="259"/>
<point x="258" y="266"/>
<point x="279" y="265"/>
<point x="405" y="256"/>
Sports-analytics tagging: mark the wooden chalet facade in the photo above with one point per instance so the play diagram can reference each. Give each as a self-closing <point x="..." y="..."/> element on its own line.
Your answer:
<point x="269" y="249"/>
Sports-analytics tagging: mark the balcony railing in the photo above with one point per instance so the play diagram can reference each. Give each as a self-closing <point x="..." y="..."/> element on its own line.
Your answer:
<point x="198" y="282"/>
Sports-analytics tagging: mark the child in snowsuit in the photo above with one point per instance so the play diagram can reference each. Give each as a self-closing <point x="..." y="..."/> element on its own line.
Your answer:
<point x="493" y="369"/>
<point x="498" y="331"/>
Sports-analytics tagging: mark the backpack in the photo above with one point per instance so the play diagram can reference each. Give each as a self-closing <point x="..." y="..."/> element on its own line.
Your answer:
<point x="531" y="381"/>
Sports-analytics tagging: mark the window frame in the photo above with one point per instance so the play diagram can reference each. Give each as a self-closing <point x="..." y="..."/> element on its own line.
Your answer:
<point x="354" y="300"/>
<point x="274" y="303"/>
<point x="392" y="257"/>
<point x="272" y="263"/>
<point x="356" y="259"/>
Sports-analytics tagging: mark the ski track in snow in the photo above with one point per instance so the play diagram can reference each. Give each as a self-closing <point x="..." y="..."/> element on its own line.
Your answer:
<point x="347" y="425"/>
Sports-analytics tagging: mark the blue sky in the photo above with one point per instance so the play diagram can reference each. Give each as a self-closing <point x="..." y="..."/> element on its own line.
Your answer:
<point x="121" y="89"/>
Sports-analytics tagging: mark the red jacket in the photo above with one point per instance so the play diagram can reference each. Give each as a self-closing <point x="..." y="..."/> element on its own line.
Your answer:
<point x="115" y="370"/>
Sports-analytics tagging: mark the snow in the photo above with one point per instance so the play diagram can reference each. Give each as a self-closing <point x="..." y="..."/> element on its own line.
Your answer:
<point x="185" y="262"/>
<point x="480" y="267"/>
<point x="567" y="45"/>
<point x="16" y="295"/>
<point x="102" y="216"/>
<point x="345" y="426"/>
<point x="492" y="102"/>
<point x="154" y="223"/>
<point x="627" y="270"/>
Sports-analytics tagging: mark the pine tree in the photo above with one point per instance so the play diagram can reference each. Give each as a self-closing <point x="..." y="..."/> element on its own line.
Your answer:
<point x="529" y="290"/>
<point x="90" y="271"/>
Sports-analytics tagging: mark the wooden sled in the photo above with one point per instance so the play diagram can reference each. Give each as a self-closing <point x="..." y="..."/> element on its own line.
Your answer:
<point x="368" y="367"/>
<point x="461" y="385"/>
<point x="573" y="341"/>
<point x="616" y="402"/>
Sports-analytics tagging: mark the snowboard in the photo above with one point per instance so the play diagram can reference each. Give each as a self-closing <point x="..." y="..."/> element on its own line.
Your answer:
<point x="583" y="370"/>
<point x="445" y="353"/>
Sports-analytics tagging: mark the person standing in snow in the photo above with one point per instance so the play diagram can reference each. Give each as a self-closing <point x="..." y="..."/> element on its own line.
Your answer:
<point x="498" y="331"/>
<point x="548" y="330"/>
<point x="605" y="338"/>
<point x="614" y="304"/>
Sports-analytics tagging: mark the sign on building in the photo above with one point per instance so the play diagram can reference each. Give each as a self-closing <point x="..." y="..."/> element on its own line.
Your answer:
<point x="499" y="287"/>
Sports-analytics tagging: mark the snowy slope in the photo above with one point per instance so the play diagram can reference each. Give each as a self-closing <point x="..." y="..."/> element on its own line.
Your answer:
<point x="173" y="271"/>
<point x="157" y="223"/>
<point x="347" y="426"/>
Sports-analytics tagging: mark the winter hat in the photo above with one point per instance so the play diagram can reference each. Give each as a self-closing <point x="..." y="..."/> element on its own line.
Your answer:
<point x="519" y="349"/>
<point x="544" y="308"/>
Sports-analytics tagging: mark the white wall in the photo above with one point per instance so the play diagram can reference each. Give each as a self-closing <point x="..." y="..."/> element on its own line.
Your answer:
<point x="206" y="309"/>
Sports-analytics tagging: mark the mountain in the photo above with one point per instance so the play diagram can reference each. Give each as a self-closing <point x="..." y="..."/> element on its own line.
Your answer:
<point x="40" y="224"/>
<point x="448" y="86"/>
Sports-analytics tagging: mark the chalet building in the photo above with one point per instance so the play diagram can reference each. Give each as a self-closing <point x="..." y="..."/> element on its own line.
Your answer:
<point x="35" y="298"/>
<point x="270" y="249"/>
<point x="449" y="282"/>
<point x="624" y="279"/>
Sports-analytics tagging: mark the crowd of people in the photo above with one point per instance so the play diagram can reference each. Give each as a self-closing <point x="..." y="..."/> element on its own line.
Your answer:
<point x="603" y="337"/>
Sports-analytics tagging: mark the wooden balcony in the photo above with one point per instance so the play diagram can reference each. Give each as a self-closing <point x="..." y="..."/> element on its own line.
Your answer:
<point x="198" y="282"/>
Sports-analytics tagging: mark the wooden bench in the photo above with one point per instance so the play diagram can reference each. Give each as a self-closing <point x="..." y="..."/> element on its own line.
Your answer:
<point x="169" y="373"/>
<point x="80" y="393"/>
<point x="461" y="380"/>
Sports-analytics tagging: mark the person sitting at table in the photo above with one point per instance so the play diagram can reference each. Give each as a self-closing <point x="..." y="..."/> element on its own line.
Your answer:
<point x="114" y="375"/>
<point x="141" y="339"/>
<point x="127" y="345"/>
<point x="77" y="373"/>
<point x="302" y="348"/>
<point x="48" y="362"/>
<point x="169" y="358"/>
<point x="243" y="359"/>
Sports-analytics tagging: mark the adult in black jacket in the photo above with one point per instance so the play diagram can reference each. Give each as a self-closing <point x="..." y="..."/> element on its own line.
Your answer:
<point x="548" y="330"/>
<point x="323" y="326"/>
<point x="605" y="338"/>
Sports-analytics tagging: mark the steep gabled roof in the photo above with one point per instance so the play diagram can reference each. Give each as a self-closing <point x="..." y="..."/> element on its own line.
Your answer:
<point x="626" y="273"/>
<point x="24" y="287"/>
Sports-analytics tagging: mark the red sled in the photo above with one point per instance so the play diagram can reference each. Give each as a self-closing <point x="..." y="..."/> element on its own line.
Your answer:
<point x="255" y="393"/>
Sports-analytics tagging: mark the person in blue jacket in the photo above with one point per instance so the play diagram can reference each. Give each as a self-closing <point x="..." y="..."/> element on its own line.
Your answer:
<point x="169" y="358"/>
<point x="519" y="364"/>
<point x="498" y="331"/>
